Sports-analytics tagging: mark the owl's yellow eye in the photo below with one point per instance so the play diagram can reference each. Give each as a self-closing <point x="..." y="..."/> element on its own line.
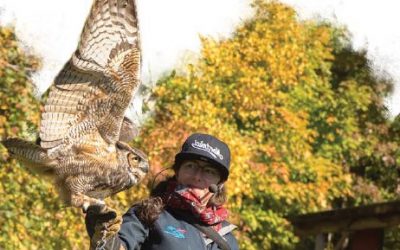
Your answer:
<point x="133" y="159"/>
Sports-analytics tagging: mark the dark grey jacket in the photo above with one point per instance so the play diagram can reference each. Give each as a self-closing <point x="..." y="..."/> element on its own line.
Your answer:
<point x="169" y="232"/>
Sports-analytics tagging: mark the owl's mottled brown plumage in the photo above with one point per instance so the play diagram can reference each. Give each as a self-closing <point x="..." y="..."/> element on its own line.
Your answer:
<point x="83" y="120"/>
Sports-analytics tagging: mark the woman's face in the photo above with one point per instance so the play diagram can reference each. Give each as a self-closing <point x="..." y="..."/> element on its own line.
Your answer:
<point x="197" y="174"/>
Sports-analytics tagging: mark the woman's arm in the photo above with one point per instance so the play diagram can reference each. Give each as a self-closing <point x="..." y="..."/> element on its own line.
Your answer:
<point x="132" y="233"/>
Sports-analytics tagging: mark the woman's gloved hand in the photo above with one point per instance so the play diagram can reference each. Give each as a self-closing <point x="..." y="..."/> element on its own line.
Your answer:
<point x="102" y="224"/>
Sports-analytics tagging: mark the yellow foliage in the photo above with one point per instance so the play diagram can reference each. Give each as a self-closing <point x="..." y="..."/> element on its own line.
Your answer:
<point x="247" y="91"/>
<point x="270" y="92"/>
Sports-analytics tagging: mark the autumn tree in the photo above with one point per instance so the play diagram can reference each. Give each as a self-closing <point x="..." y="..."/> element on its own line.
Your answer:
<point x="299" y="109"/>
<point x="29" y="214"/>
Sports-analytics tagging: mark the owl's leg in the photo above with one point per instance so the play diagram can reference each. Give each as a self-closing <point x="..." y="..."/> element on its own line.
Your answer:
<point x="84" y="202"/>
<point x="78" y="187"/>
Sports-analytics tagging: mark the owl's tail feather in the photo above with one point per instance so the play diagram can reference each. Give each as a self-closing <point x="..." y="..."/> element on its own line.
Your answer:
<point x="31" y="155"/>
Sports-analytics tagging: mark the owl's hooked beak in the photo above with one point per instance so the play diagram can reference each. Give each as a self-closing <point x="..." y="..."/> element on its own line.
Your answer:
<point x="137" y="174"/>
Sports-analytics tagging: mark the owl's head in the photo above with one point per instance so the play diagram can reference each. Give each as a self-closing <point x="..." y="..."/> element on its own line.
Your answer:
<point x="134" y="161"/>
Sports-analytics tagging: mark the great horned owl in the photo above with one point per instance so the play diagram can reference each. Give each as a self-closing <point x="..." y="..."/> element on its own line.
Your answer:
<point x="80" y="144"/>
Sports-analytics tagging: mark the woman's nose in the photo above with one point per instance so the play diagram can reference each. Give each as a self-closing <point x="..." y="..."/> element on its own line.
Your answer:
<point x="197" y="174"/>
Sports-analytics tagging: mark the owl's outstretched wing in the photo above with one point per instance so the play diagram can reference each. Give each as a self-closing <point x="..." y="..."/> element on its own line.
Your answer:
<point x="91" y="93"/>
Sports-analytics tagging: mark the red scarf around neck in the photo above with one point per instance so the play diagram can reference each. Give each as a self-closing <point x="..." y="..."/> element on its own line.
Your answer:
<point x="182" y="197"/>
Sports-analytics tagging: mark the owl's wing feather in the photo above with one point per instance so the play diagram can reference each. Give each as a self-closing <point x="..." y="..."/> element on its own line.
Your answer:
<point x="93" y="90"/>
<point x="110" y="22"/>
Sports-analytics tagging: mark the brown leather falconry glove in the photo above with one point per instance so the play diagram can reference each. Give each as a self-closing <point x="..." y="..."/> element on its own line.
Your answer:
<point x="103" y="224"/>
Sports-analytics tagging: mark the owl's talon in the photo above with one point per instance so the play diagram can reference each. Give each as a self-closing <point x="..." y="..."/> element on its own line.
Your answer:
<point x="85" y="207"/>
<point x="97" y="208"/>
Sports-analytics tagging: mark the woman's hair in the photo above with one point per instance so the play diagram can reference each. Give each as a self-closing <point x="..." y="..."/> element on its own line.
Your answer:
<point x="150" y="209"/>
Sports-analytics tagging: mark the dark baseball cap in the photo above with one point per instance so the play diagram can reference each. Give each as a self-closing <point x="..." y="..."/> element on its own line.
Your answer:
<point x="207" y="148"/>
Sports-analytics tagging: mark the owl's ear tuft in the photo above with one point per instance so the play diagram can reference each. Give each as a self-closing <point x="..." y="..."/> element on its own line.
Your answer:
<point x="123" y="145"/>
<point x="128" y="130"/>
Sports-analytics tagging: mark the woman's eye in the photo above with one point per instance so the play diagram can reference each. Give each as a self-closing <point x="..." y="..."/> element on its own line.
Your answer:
<point x="189" y="165"/>
<point x="210" y="171"/>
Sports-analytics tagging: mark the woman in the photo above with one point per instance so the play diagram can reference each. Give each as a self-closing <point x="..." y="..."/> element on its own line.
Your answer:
<point x="184" y="212"/>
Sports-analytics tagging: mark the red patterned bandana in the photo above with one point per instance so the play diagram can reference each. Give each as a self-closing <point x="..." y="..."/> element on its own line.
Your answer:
<point x="183" y="198"/>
